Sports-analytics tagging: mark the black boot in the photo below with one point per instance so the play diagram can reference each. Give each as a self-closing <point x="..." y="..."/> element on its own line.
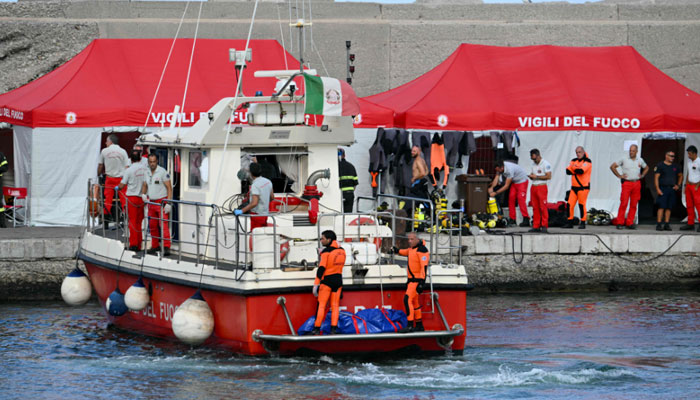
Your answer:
<point x="582" y="225"/>
<point x="569" y="224"/>
<point x="525" y="223"/>
<point x="334" y="330"/>
<point x="419" y="326"/>
<point x="316" y="331"/>
<point x="408" y="328"/>
<point x="2" y="218"/>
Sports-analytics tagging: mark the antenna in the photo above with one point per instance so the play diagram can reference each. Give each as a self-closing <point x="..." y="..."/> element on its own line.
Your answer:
<point x="301" y="24"/>
<point x="240" y="57"/>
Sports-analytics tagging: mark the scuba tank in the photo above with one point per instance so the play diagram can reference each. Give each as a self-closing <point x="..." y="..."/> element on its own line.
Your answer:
<point x="419" y="218"/>
<point x="492" y="207"/>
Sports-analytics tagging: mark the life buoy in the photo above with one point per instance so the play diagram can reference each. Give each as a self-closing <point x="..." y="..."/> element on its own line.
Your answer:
<point x="284" y="250"/>
<point x="365" y="221"/>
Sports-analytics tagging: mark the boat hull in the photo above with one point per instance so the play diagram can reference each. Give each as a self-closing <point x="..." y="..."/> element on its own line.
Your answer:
<point x="240" y="317"/>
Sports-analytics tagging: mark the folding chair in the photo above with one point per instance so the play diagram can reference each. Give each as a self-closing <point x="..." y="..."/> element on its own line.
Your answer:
<point x="19" y="202"/>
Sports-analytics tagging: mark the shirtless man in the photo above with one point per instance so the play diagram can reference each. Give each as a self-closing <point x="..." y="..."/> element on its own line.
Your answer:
<point x="420" y="171"/>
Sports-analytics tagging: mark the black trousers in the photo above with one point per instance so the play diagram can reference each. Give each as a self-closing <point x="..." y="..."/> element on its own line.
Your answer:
<point x="2" y="206"/>
<point x="348" y="199"/>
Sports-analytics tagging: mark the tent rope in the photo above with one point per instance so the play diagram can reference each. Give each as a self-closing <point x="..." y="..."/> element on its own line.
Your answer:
<point x="167" y="60"/>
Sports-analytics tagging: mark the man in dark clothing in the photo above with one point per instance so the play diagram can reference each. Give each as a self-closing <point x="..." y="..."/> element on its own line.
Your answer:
<point x="667" y="180"/>
<point x="4" y="167"/>
<point x="348" y="180"/>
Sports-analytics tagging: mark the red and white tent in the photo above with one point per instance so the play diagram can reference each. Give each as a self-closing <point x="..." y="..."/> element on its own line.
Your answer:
<point x="556" y="97"/>
<point x="58" y="119"/>
<point x="543" y="88"/>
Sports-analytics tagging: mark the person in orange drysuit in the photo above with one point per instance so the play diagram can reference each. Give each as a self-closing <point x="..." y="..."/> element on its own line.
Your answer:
<point x="418" y="259"/>
<point x="580" y="170"/>
<point x="329" y="281"/>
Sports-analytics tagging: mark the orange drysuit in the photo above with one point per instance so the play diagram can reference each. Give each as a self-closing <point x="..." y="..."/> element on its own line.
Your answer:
<point x="330" y="277"/>
<point x="418" y="259"/>
<point x="580" y="171"/>
<point x="438" y="162"/>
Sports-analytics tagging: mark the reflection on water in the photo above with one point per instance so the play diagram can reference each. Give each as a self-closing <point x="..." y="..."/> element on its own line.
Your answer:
<point x="560" y="346"/>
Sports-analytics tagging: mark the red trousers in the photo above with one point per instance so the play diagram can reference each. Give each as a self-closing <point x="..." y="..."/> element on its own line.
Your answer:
<point x="257" y="222"/>
<point x="134" y="205"/>
<point x="110" y="184"/>
<point x="324" y="293"/>
<point x="519" y="191"/>
<point x="631" y="192"/>
<point x="158" y="228"/>
<point x="540" y="214"/>
<point x="412" y="305"/>
<point x="692" y="202"/>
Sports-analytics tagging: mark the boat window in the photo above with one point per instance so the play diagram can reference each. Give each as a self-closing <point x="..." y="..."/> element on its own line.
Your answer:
<point x="281" y="166"/>
<point x="196" y="160"/>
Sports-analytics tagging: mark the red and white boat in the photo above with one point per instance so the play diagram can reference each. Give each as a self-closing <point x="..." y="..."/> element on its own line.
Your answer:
<point x="258" y="284"/>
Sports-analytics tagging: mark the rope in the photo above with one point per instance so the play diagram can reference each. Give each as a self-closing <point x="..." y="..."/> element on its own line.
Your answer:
<point x="632" y="260"/>
<point x="167" y="60"/>
<point x="189" y="68"/>
<point x="284" y="51"/>
<point x="618" y="255"/>
<point x="313" y="44"/>
<point x="233" y="108"/>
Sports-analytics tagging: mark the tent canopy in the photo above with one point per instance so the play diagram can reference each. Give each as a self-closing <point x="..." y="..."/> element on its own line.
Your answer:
<point x="541" y="88"/>
<point x="112" y="82"/>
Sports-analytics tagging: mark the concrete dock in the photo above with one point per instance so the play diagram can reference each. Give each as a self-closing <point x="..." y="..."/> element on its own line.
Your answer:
<point x="33" y="261"/>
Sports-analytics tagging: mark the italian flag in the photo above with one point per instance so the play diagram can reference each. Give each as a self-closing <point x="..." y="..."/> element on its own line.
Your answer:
<point x="328" y="96"/>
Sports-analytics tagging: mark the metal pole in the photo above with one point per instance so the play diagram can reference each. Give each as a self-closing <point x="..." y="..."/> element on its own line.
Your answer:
<point x="196" y="227"/>
<point x="281" y="301"/>
<point x="277" y="262"/>
<point x="442" y="316"/>
<point x="216" y="236"/>
<point x="161" y="226"/>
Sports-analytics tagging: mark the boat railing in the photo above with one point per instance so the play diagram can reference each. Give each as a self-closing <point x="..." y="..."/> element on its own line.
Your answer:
<point x="351" y="227"/>
<point x="205" y="236"/>
<point x="441" y="222"/>
<point x="97" y="221"/>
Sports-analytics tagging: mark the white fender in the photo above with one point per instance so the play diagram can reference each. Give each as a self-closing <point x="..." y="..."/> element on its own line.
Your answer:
<point x="136" y="297"/>
<point x="76" y="288"/>
<point x="193" y="321"/>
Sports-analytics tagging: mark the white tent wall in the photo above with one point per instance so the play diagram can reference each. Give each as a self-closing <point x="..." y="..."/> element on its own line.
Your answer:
<point x="62" y="161"/>
<point x="22" y="148"/>
<point x="694" y="140"/>
<point x="558" y="148"/>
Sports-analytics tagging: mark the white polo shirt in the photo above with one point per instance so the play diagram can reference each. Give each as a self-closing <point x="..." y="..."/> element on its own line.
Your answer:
<point x="694" y="170"/>
<point x="134" y="177"/>
<point x="156" y="183"/>
<point x="632" y="168"/>
<point x="115" y="160"/>
<point x="540" y="169"/>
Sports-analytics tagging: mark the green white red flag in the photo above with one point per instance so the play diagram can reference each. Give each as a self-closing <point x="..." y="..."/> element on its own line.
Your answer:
<point x="329" y="96"/>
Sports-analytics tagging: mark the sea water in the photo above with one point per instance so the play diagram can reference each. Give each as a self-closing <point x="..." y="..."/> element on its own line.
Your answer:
<point x="611" y="346"/>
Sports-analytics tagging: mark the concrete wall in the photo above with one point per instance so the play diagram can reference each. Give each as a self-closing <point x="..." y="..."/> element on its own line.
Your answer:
<point x="32" y="268"/>
<point x="393" y="43"/>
